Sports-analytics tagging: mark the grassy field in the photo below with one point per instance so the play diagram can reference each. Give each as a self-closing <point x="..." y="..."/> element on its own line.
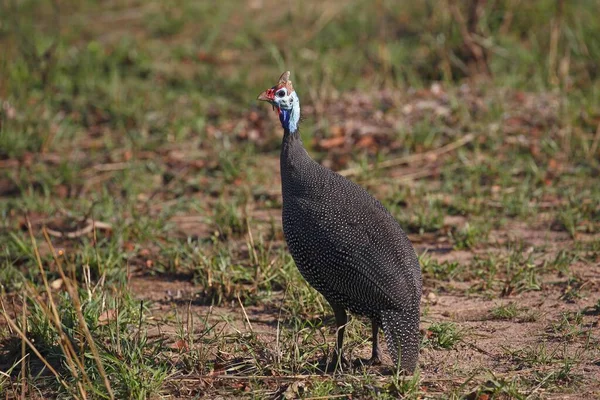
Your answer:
<point x="141" y="249"/>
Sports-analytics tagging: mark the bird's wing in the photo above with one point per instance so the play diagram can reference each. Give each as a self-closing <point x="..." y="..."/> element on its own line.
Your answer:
<point x="374" y="259"/>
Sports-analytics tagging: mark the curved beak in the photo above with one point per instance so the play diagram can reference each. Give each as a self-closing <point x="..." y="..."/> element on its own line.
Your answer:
<point x="267" y="95"/>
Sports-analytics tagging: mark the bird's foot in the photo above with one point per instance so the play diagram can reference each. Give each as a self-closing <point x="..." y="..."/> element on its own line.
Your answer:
<point x="336" y="364"/>
<point x="375" y="360"/>
<point x="363" y="362"/>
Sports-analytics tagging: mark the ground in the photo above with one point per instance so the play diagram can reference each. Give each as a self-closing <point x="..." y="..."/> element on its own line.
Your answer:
<point x="142" y="254"/>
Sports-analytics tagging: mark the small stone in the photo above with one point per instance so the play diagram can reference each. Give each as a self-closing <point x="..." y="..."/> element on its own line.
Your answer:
<point x="432" y="298"/>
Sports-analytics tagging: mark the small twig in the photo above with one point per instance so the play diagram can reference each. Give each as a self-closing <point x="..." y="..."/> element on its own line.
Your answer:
<point x="245" y="315"/>
<point x="91" y="224"/>
<point x="423" y="173"/>
<point x="432" y="154"/>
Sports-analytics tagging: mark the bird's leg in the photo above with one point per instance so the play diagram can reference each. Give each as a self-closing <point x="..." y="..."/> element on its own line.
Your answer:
<point x="375" y="360"/>
<point x="341" y="319"/>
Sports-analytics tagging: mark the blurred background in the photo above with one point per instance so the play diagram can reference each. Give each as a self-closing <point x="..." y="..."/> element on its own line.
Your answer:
<point x="141" y="75"/>
<point x="105" y="103"/>
<point x="130" y="132"/>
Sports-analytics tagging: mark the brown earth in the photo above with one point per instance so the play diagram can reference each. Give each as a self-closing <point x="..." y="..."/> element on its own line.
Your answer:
<point x="491" y="349"/>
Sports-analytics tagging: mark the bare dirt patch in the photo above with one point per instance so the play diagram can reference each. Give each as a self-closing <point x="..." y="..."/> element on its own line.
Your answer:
<point x="551" y="341"/>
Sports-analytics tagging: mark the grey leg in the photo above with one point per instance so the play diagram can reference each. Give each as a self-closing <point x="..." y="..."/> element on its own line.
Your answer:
<point x="375" y="360"/>
<point x="341" y="319"/>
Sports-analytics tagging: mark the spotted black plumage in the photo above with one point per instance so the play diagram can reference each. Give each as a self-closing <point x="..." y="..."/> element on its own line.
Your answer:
<point x="346" y="244"/>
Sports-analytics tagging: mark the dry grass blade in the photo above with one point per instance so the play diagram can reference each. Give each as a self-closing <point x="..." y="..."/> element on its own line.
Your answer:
<point x="23" y="337"/>
<point x="72" y="290"/>
<point x="433" y="154"/>
<point x="91" y="225"/>
<point x="245" y="314"/>
<point x="64" y="343"/>
<point x="24" y="352"/>
<point x="4" y="374"/>
<point x="52" y="315"/>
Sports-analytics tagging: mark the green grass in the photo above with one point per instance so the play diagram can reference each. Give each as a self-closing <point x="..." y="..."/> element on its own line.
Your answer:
<point x="444" y="335"/>
<point x="141" y="116"/>
<point x="508" y="311"/>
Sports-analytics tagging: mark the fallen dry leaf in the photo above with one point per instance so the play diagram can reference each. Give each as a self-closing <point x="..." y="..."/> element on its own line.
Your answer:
<point x="106" y="316"/>
<point x="331" y="143"/>
<point x="180" y="345"/>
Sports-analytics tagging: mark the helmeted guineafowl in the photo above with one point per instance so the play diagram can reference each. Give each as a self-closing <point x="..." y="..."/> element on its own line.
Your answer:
<point x="346" y="244"/>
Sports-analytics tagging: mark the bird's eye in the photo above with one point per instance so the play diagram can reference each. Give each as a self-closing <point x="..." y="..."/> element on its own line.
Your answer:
<point x="280" y="93"/>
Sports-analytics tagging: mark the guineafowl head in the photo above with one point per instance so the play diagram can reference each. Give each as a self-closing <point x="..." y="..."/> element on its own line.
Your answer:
<point x="285" y="101"/>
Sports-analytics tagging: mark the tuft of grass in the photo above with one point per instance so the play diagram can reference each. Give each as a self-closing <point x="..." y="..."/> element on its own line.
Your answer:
<point x="59" y="331"/>
<point x="552" y="366"/>
<point x="424" y="218"/>
<point x="406" y="387"/>
<point x="505" y="311"/>
<point x="230" y="220"/>
<point x="443" y="335"/>
<point x="573" y="289"/>
<point x="445" y="271"/>
<point x="498" y="387"/>
<point x="568" y="327"/>
<point x="469" y="236"/>
<point x="522" y="273"/>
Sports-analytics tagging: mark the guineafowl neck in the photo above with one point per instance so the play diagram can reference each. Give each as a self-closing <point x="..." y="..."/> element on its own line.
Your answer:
<point x="295" y="163"/>
<point x="293" y="153"/>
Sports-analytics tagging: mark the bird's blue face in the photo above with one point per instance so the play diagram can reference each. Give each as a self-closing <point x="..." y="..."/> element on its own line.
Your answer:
<point x="284" y="99"/>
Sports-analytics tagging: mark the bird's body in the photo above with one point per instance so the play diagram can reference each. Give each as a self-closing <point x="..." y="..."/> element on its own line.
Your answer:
<point x="348" y="246"/>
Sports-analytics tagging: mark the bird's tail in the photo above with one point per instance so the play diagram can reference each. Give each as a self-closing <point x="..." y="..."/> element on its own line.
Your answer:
<point x="401" y="329"/>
